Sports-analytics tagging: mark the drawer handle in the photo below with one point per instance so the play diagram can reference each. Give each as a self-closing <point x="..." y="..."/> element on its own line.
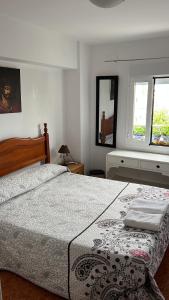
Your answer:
<point x="158" y="167"/>
<point x="122" y="161"/>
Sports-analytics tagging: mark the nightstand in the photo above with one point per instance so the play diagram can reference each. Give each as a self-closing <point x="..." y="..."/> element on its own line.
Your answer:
<point x="77" y="168"/>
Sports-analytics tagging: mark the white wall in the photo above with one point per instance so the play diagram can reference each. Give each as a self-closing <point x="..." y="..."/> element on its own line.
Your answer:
<point x="42" y="101"/>
<point x="38" y="53"/>
<point x="135" y="49"/>
<point x="85" y="104"/>
<point x="72" y="112"/>
<point x="77" y="107"/>
<point x="26" y="43"/>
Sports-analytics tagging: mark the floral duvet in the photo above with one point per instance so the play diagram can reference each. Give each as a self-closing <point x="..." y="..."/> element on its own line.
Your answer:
<point x="65" y="232"/>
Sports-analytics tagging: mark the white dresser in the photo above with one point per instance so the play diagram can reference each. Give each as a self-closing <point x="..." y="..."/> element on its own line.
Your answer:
<point x="155" y="163"/>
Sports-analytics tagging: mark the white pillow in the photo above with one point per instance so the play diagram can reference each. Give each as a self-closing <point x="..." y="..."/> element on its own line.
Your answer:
<point x="22" y="181"/>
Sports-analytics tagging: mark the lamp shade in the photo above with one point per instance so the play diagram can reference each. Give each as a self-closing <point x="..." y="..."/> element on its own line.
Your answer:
<point x="64" y="149"/>
<point x="106" y="3"/>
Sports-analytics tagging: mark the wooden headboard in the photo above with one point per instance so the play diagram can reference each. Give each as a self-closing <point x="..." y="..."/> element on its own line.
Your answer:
<point x="17" y="153"/>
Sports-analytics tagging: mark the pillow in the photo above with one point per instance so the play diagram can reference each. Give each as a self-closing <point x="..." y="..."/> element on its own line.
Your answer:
<point x="22" y="181"/>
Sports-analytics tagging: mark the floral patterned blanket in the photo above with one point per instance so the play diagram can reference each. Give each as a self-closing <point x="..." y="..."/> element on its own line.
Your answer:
<point x="65" y="232"/>
<point x="109" y="261"/>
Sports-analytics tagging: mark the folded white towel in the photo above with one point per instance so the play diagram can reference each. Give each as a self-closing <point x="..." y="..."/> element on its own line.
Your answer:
<point x="143" y="220"/>
<point x="150" y="205"/>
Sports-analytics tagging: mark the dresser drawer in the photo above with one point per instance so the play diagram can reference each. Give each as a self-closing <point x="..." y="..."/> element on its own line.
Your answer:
<point x="77" y="168"/>
<point x="118" y="161"/>
<point x="154" y="166"/>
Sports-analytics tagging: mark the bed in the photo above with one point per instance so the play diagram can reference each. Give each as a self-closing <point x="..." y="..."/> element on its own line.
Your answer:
<point x="65" y="233"/>
<point x="106" y="134"/>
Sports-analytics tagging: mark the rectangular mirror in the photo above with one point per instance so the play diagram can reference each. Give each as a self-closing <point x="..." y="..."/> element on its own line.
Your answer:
<point x="106" y="110"/>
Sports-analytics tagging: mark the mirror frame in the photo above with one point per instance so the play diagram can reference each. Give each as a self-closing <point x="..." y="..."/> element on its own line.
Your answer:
<point x="98" y="79"/>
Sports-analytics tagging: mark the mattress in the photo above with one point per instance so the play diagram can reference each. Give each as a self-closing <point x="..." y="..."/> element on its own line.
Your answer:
<point x="65" y="232"/>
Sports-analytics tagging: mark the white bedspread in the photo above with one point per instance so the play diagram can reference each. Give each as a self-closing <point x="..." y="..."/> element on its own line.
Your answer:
<point x="67" y="235"/>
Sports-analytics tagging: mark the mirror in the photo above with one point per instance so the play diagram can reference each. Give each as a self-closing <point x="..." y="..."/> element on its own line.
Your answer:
<point x="106" y="110"/>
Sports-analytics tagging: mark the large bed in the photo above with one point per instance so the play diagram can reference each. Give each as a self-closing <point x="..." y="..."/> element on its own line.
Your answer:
<point x="65" y="232"/>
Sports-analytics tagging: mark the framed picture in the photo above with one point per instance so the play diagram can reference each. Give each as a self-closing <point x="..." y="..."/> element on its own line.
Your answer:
<point x="10" y="90"/>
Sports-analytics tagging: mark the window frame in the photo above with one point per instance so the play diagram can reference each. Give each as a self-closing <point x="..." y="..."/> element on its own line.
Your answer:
<point x="130" y="140"/>
<point x="151" y="143"/>
<point x="145" y="145"/>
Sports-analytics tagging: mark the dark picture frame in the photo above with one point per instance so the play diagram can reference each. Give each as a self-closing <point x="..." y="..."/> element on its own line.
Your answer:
<point x="106" y="125"/>
<point x="10" y="90"/>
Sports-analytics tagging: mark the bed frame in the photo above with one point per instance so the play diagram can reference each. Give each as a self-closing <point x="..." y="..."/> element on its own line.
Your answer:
<point x="17" y="153"/>
<point x="106" y="127"/>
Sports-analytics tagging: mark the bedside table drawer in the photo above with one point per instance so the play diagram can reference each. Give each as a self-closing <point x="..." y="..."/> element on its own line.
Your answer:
<point x="76" y="168"/>
<point x="80" y="171"/>
<point x="118" y="161"/>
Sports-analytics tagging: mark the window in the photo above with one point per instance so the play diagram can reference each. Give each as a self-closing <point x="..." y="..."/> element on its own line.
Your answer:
<point x="149" y="124"/>
<point x="160" y="119"/>
<point x="140" y="110"/>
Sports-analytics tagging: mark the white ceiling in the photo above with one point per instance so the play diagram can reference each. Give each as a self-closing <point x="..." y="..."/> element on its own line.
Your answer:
<point x="80" y="19"/>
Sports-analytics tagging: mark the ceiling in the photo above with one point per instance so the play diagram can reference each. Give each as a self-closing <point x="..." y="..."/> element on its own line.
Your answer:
<point x="81" y="20"/>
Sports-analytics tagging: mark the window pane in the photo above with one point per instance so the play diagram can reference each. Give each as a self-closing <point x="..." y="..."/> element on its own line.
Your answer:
<point x="140" y="110"/>
<point x="160" y="124"/>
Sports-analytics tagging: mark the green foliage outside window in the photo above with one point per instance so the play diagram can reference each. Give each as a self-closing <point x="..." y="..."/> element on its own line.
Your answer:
<point x="139" y="130"/>
<point x="160" y="124"/>
<point x="161" y="117"/>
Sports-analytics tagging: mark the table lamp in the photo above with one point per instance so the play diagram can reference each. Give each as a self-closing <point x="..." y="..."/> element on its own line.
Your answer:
<point x="65" y="152"/>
